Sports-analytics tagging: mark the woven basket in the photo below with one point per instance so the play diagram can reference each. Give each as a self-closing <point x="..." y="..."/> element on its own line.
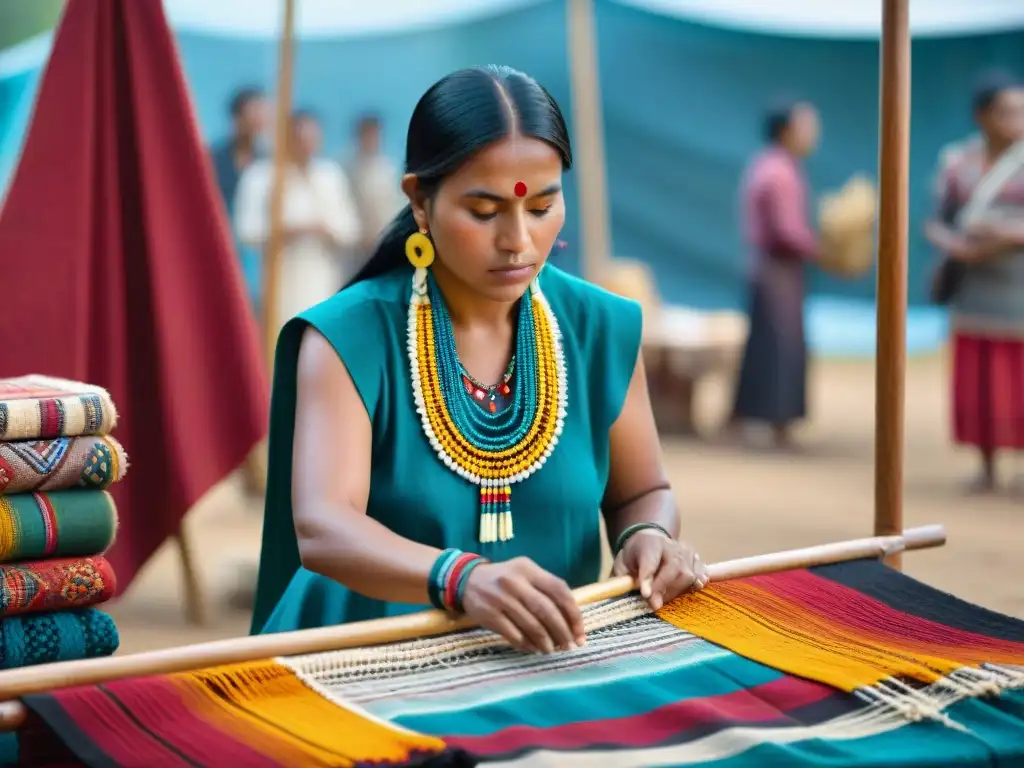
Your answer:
<point x="847" y="220"/>
<point x="634" y="280"/>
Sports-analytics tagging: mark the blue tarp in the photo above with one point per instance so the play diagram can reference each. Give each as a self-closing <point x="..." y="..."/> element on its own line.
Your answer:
<point x="681" y="101"/>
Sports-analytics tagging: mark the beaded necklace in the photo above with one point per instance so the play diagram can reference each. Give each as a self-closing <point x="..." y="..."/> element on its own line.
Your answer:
<point x="491" y="449"/>
<point x="488" y="394"/>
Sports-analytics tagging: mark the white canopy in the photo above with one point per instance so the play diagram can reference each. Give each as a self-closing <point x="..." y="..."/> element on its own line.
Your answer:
<point x="818" y="18"/>
<point x="844" y="18"/>
<point x="850" y="19"/>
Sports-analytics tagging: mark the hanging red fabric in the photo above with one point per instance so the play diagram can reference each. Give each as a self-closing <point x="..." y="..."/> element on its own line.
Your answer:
<point x="118" y="268"/>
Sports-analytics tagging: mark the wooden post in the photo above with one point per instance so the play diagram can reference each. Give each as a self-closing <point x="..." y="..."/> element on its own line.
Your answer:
<point x="893" y="230"/>
<point x="588" y="141"/>
<point x="195" y="595"/>
<point x="275" y="239"/>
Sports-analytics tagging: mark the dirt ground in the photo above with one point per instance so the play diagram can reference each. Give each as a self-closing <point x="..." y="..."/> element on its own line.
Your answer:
<point x="735" y="503"/>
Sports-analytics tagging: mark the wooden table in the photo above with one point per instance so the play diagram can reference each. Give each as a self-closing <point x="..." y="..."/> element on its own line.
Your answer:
<point x="681" y="346"/>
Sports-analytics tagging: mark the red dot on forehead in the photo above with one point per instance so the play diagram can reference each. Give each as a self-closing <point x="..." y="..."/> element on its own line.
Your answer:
<point x="520" y="189"/>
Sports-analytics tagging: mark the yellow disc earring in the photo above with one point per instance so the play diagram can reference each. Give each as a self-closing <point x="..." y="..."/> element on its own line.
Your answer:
<point x="419" y="250"/>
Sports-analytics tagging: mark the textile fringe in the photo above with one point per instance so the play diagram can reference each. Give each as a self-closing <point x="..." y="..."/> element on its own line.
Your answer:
<point x="815" y="628"/>
<point x="265" y="705"/>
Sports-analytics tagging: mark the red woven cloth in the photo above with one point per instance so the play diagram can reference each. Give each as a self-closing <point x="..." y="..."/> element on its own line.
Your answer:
<point x="118" y="268"/>
<point x="988" y="392"/>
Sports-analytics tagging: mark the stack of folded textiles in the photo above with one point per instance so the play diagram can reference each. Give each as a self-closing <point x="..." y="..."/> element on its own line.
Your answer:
<point x="56" y="520"/>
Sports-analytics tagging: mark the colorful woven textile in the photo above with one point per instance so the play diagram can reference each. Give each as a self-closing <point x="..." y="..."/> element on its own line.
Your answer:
<point x="41" y="407"/>
<point x="40" y="638"/>
<point x="58" y="524"/>
<point x="642" y="692"/>
<point x="60" y="463"/>
<point x="55" y="585"/>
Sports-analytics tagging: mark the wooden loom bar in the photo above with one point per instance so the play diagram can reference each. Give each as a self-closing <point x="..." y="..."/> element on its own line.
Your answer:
<point x="46" y="677"/>
<point x="893" y="231"/>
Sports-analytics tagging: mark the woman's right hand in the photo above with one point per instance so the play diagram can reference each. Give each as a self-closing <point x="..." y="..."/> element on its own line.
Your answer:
<point x="532" y="609"/>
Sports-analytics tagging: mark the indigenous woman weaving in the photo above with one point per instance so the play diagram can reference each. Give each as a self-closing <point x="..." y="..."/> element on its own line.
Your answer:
<point x="448" y="426"/>
<point x="980" y="230"/>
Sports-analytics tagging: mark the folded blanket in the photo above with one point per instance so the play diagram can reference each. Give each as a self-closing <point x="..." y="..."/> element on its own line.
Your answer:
<point x="55" y="585"/>
<point x="60" y="463"/>
<point x="56" y="636"/>
<point x="34" y="526"/>
<point x="41" y="407"/>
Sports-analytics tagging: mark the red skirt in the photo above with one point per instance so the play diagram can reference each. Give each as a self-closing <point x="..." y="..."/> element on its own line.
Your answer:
<point x="988" y="392"/>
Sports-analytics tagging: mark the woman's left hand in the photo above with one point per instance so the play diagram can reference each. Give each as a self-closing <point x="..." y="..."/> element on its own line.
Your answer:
<point x="663" y="567"/>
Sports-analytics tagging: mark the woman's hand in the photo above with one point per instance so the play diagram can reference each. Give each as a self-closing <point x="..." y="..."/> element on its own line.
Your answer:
<point x="992" y="237"/>
<point x="980" y="242"/>
<point x="532" y="609"/>
<point x="664" y="568"/>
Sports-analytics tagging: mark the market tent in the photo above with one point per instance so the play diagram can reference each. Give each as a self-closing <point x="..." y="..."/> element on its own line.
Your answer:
<point x="683" y="84"/>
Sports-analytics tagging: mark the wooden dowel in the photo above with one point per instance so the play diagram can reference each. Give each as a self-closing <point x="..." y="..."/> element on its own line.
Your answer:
<point x="893" y="231"/>
<point x="47" y="677"/>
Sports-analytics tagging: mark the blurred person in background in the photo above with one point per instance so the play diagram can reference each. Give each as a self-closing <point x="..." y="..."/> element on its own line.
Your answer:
<point x="772" y="385"/>
<point x="986" y="289"/>
<point x="376" y="183"/>
<point x="319" y="218"/>
<point x="232" y="155"/>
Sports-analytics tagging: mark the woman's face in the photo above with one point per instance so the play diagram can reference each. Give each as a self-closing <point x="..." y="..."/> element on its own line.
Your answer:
<point x="1004" y="119"/>
<point x="486" y="235"/>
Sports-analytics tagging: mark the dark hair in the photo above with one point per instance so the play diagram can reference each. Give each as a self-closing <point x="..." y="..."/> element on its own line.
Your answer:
<point x="777" y="118"/>
<point x="989" y="86"/>
<point x="458" y="115"/>
<point x="242" y="98"/>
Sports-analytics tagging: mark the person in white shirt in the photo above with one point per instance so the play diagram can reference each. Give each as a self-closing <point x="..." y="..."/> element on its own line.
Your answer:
<point x="320" y="219"/>
<point x="376" y="182"/>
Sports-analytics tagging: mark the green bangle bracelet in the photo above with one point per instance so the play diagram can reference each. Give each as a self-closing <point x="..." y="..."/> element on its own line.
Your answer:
<point x="626" y="534"/>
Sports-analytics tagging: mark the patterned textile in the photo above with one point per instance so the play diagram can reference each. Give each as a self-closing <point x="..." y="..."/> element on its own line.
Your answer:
<point x="58" y="524"/>
<point x="41" y="407"/>
<point x="64" y="462"/>
<point x="55" y="585"/>
<point x="988" y="391"/>
<point x="642" y="692"/>
<point x="41" y="638"/>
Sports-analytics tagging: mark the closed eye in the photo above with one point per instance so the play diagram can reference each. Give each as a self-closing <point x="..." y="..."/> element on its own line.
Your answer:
<point x="538" y="212"/>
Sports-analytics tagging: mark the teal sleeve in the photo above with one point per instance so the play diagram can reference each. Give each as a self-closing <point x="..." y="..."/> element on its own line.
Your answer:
<point x="356" y="331"/>
<point x="613" y="329"/>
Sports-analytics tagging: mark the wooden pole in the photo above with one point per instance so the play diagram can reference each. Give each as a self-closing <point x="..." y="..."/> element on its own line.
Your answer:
<point x="195" y="596"/>
<point x="893" y="230"/>
<point x="47" y="677"/>
<point x="275" y="239"/>
<point x="588" y="141"/>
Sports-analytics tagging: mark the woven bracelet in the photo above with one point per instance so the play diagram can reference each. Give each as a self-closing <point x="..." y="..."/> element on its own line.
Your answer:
<point x="628" y="533"/>
<point x="453" y="578"/>
<point x="438" y="577"/>
<point x="460" y="588"/>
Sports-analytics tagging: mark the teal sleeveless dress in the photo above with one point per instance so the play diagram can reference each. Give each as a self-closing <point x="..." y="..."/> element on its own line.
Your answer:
<point x="556" y="510"/>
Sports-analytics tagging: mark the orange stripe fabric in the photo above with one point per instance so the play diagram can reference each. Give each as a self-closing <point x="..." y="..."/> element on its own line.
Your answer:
<point x="820" y="630"/>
